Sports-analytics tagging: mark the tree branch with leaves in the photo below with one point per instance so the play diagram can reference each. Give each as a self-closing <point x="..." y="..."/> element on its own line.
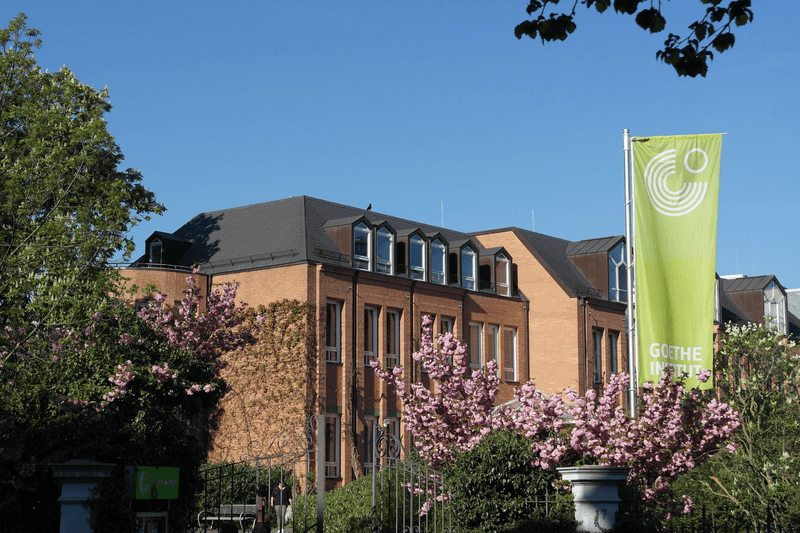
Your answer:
<point x="688" y="55"/>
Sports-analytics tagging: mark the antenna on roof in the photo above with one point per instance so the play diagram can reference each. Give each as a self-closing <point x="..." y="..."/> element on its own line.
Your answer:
<point x="442" y="201"/>
<point x="533" y="221"/>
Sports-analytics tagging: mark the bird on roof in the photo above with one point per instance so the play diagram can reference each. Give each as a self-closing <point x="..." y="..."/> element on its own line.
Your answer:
<point x="369" y="207"/>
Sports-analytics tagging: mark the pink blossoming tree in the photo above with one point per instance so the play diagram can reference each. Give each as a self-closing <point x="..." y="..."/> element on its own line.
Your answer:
<point x="676" y="430"/>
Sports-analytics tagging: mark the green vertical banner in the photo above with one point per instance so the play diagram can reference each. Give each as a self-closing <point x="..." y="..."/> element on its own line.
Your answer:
<point x="676" y="187"/>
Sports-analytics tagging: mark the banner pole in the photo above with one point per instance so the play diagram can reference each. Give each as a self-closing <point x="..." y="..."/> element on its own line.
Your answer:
<point x="629" y="309"/>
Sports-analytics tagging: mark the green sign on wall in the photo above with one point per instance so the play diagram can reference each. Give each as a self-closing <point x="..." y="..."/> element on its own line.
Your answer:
<point x="155" y="483"/>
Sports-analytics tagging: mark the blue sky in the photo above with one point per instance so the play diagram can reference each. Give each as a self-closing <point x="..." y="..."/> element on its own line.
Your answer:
<point x="406" y="105"/>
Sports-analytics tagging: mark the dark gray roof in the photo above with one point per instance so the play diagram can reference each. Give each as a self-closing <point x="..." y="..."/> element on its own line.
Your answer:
<point x="590" y="246"/>
<point x="280" y="232"/>
<point x="756" y="283"/>
<point x="552" y="253"/>
<point x="168" y="236"/>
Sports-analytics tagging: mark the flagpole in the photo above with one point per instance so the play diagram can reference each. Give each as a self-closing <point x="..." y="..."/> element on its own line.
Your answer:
<point x="629" y="310"/>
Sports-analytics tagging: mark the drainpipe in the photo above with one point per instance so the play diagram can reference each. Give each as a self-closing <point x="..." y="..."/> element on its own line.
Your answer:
<point x="585" y="362"/>
<point x="354" y="359"/>
<point x="527" y="309"/>
<point x="411" y="330"/>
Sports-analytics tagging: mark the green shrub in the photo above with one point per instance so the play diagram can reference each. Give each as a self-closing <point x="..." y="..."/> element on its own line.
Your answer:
<point x="495" y="488"/>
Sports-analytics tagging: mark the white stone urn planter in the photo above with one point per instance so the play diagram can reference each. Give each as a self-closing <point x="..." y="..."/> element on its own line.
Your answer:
<point x="596" y="492"/>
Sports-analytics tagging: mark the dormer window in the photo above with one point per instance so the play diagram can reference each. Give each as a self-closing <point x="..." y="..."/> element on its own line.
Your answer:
<point x="438" y="254"/>
<point x="362" y="244"/>
<point x="468" y="268"/>
<point x="502" y="275"/>
<point x="384" y="251"/>
<point x="156" y="252"/>
<point x="416" y="256"/>
<point x="617" y="276"/>
<point x="775" y="307"/>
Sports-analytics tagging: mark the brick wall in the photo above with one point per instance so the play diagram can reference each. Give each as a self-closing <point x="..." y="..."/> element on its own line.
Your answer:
<point x="169" y="282"/>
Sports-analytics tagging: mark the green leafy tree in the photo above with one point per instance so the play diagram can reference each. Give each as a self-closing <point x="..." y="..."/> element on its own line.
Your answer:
<point x="65" y="206"/>
<point x="689" y="55"/>
<point x="83" y="375"/>
<point x="758" y="373"/>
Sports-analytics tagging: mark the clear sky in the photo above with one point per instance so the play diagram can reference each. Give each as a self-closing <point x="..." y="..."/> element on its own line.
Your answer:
<point x="406" y="105"/>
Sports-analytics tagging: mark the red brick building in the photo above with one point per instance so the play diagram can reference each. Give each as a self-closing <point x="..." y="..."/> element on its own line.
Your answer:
<point x="543" y="308"/>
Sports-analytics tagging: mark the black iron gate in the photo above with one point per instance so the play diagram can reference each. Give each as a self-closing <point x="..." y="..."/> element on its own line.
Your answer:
<point x="407" y="495"/>
<point x="241" y="492"/>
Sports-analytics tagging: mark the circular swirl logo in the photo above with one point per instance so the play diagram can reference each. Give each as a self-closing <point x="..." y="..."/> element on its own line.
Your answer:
<point x="668" y="201"/>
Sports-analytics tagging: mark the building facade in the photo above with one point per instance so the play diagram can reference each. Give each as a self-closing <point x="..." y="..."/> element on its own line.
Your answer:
<point x="368" y="280"/>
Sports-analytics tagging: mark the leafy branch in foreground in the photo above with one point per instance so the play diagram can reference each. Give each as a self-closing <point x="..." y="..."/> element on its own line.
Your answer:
<point x="689" y="56"/>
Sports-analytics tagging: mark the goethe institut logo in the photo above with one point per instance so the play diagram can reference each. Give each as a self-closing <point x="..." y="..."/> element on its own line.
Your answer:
<point x="661" y="176"/>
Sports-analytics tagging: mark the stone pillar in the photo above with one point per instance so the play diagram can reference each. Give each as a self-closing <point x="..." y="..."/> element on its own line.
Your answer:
<point x="78" y="478"/>
<point x="596" y="492"/>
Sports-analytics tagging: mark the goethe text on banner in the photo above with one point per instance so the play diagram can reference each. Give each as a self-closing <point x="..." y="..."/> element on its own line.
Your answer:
<point x="676" y="186"/>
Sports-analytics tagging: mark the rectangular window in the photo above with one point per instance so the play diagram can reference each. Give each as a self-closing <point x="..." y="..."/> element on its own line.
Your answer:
<point x="333" y="332"/>
<point x="369" y="456"/>
<point x="437" y="262"/>
<point x="361" y="247"/>
<point x="501" y="276"/>
<point x="613" y="340"/>
<point x="494" y="345"/>
<point x="370" y="334"/>
<point x="468" y="269"/>
<point x="383" y="251"/>
<point x="597" y="335"/>
<point x="392" y="338"/>
<point x="332" y="440"/>
<point x="475" y="345"/>
<point x="155" y="252"/>
<point x="445" y="325"/>
<point x="510" y="353"/>
<point x="417" y="257"/>
<point x="617" y="274"/>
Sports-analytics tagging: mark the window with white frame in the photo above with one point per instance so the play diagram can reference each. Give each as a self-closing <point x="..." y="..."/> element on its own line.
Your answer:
<point x="597" y="335"/>
<point x="384" y="251"/>
<point x="510" y="353"/>
<point x="617" y="276"/>
<point x="475" y="345"/>
<point x="775" y="307"/>
<point x="613" y="344"/>
<point x="502" y="275"/>
<point x="468" y="268"/>
<point x="370" y="334"/>
<point x="416" y="257"/>
<point x="155" y="252"/>
<point x="438" y="255"/>
<point x="362" y="247"/>
<point x="332" y="443"/>
<point x="446" y="325"/>
<point x="493" y="345"/>
<point x="369" y="439"/>
<point x="392" y="338"/>
<point x="333" y="332"/>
